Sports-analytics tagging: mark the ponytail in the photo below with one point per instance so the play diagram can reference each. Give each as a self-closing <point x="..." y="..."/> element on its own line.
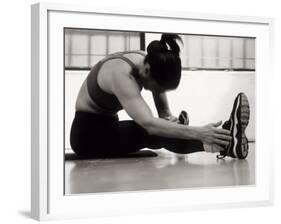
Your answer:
<point x="165" y="63"/>
<point x="166" y="44"/>
<point x="170" y="40"/>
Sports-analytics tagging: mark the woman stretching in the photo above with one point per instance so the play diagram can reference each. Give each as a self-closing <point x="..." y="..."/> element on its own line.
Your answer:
<point x="115" y="83"/>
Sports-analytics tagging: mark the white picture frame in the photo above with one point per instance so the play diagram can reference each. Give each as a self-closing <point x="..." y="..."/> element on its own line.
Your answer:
<point x="48" y="200"/>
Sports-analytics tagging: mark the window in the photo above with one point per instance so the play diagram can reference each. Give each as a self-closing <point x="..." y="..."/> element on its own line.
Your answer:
<point x="84" y="48"/>
<point x="218" y="53"/>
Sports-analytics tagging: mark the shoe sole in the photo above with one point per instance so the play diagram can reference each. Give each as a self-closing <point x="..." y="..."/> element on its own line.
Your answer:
<point x="239" y="121"/>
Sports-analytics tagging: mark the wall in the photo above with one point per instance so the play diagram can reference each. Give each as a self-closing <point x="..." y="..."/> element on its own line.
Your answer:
<point x="207" y="96"/>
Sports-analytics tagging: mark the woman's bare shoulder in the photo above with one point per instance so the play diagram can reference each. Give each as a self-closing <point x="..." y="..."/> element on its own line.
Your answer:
<point x="112" y="72"/>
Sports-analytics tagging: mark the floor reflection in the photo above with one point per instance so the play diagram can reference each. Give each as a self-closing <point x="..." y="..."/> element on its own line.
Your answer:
<point x="166" y="171"/>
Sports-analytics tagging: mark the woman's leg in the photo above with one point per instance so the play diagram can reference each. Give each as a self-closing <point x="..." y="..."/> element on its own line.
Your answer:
<point x="94" y="135"/>
<point x="132" y="137"/>
<point x="100" y="136"/>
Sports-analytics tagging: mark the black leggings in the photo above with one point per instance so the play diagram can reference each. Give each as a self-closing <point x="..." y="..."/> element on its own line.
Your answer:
<point x="95" y="135"/>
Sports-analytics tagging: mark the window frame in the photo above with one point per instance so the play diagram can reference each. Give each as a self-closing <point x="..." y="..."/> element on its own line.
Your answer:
<point x="226" y="69"/>
<point x="88" y="68"/>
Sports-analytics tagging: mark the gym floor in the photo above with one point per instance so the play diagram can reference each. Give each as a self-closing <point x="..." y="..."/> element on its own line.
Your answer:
<point x="164" y="171"/>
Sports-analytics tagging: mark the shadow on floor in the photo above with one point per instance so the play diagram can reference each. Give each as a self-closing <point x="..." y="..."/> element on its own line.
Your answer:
<point x="25" y="214"/>
<point x="139" y="154"/>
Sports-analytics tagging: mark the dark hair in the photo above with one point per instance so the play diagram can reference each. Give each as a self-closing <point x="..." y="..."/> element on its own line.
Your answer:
<point x="165" y="63"/>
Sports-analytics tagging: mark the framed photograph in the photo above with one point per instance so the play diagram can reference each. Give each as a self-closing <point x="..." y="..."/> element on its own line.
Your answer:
<point x="225" y="75"/>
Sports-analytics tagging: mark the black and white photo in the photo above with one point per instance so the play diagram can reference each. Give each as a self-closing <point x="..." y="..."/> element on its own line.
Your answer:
<point x="161" y="110"/>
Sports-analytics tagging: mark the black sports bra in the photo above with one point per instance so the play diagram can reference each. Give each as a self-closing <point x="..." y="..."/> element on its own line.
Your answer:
<point x="105" y="101"/>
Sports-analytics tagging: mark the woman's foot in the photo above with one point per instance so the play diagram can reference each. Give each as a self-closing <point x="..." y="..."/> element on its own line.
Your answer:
<point x="183" y="118"/>
<point x="237" y="123"/>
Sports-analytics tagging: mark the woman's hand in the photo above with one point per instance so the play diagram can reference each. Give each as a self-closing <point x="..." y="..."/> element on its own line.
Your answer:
<point x="171" y="118"/>
<point x="211" y="134"/>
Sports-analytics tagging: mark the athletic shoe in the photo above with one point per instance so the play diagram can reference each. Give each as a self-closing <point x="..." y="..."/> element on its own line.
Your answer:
<point x="237" y="123"/>
<point x="183" y="118"/>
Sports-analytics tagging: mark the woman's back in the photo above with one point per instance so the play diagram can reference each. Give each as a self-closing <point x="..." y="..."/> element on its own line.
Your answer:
<point x="95" y="94"/>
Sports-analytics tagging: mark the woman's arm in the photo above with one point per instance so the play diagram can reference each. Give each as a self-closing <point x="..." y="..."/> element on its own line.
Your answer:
<point x="162" y="106"/>
<point x="126" y="90"/>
